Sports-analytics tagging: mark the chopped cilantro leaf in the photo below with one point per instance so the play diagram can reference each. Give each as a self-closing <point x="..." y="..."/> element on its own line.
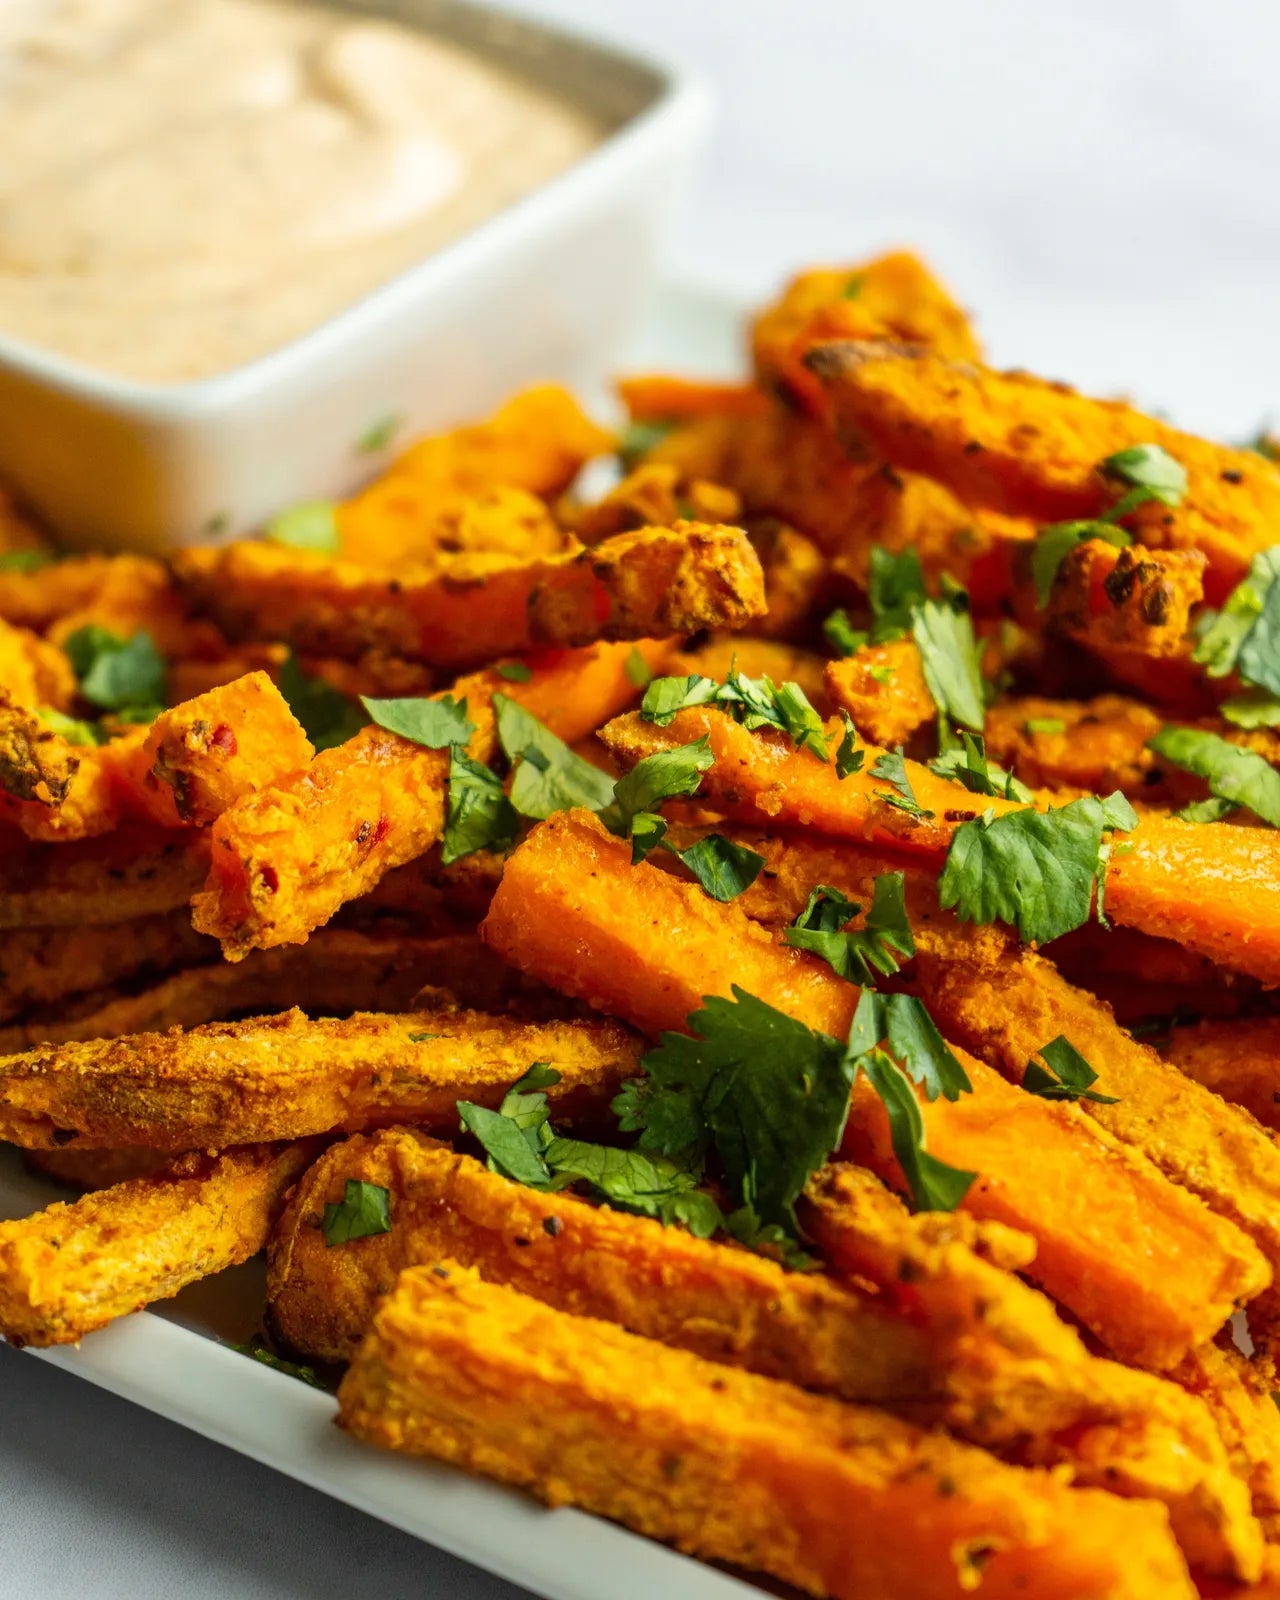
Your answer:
<point x="24" y="560"/>
<point x="1210" y="810"/>
<point x="913" y="1039"/>
<point x="849" y="757"/>
<point x="71" y="728"/>
<point x="841" y="634"/>
<point x="328" y="718"/>
<point x="258" y="1350"/>
<point x="648" y="830"/>
<point x="378" y="435"/>
<point x="364" y="1209"/>
<point x="853" y="288"/>
<point x="479" y="817"/>
<point x="665" y="696"/>
<point x="421" y="1038"/>
<point x="639" y="438"/>
<point x="1152" y="474"/>
<point x="943" y="632"/>
<point x="1232" y="773"/>
<point x="856" y="955"/>
<point x="1044" y="725"/>
<point x="754" y="702"/>
<point x="639" y="675"/>
<point x="723" y="869"/>
<point x="1244" y="636"/>
<point x="510" y="1152"/>
<point x="117" y="673"/>
<point x="546" y="775"/>
<point x="1034" y="870"/>
<point x="514" y="671"/>
<point x="434" y="723"/>
<point x="892" y="768"/>
<point x="933" y="1185"/>
<point x="1055" y="543"/>
<point x="895" y="588"/>
<point x="313" y="526"/>
<point x="1065" y="1075"/>
<point x="1256" y="708"/>
<point x="658" y="777"/>
<point x="966" y="763"/>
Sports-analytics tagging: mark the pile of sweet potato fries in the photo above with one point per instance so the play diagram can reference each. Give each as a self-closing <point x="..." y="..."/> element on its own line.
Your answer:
<point x="741" y="1002"/>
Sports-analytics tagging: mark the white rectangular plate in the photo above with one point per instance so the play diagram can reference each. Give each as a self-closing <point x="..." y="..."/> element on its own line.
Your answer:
<point x="174" y="1361"/>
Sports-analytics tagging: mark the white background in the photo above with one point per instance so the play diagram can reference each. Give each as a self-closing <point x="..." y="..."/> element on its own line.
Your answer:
<point x="1098" y="178"/>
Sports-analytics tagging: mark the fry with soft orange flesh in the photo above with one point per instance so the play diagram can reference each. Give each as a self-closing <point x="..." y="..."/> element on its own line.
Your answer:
<point x="34" y="672"/>
<point x="1238" y="1393"/>
<point x="499" y="521"/>
<point x="1027" y="447"/>
<point x="224" y="744"/>
<point x="1134" y="600"/>
<point x="75" y="1267"/>
<point x="1237" y="1058"/>
<point x="1095" y="745"/>
<point x="101" y="588"/>
<point x="1212" y="886"/>
<point x="649" y="582"/>
<point x="285" y="859"/>
<point x="893" y="296"/>
<point x="653" y="496"/>
<point x="337" y="971"/>
<point x="41" y="965"/>
<point x="131" y="872"/>
<point x="284" y="1077"/>
<point x="989" y="1357"/>
<point x="665" y="397"/>
<point x="648" y="947"/>
<point x="537" y="442"/>
<point x="1129" y="969"/>
<point x="728" y="1465"/>
<point x="882" y="687"/>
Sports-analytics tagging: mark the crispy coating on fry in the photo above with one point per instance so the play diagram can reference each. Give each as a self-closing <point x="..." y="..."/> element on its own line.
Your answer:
<point x="1026" y="447"/>
<point x="1214" y="887"/>
<point x="535" y="443"/>
<point x="1137" y="1435"/>
<point x="882" y="688"/>
<point x="648" y="947"/>
<point x="989" y="1356"/>
<point x="1093" y="745"/>
<point x="75" y="1267"/>
<point x="283" y="1077"/>
<point x="1237" y="1058"/>
<point x="104" y="589"/>
<point x="666" y="397"/>
<point x="1134" y="600"/>
<point x="131" y="872"/>
<point x="285" y="859"/>
<point x="795" y="577"/>
<point x="41" y="965"/>
<point x="34" y="672"/>
<point x="636" y="585"/>
<point x="653" y="496"/>
<point x="54" y="790"/>
<point x="1238" y="1393"/>
<point x="890" y="297"/>
<point x="36" y="763"/>
<point x="726" y="1464"/>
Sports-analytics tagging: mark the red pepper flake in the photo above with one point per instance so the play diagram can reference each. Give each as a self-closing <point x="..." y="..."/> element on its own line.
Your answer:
<point x="223" y="737"/>
<point x="381" y="831"/>
<point x="270" y="879"/>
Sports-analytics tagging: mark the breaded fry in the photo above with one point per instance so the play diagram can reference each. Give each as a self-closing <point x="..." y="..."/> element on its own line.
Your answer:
<point x="54" y="790"/>
<point x="795" y="577"/>
<point x="726" y="1464"/>
<point x="650" y="582"/>
<point x="1100" y="1212"/>
<point x="890" y="297"/>
<point x="1092" y="745"/>
<point x="989" y="1358"/>
<point x="1130" y="601"/>
<point x="653" y="496"/>
<point x="96" y="1169"/>
<point x="283" y="1077"/>
<point x="222" y="745"/>
<point x="1237" y="1058"/>
<point x="1238" y="1393"/>
<point x="1026" y="447"/>
<point x="73" y="1268"/>
<point x="41" y="965"/>
<point x="34" y="672"/>
<point x="882" y="688"/>
<point x="536" y="442"/>
<point x="666" y="397"/>
<point x="104" y="589"/>
<point x="1214" y="887"/>
<point x="131" y="872"/>
<point x="285" y="859"/>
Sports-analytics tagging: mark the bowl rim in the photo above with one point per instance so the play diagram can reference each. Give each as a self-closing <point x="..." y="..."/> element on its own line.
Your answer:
<point x="681" y="102"/>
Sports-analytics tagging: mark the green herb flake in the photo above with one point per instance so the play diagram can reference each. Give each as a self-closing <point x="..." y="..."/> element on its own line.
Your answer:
<point x="1244" y="637"/>
<point x="639" y="673"/>
<point x="944" y="636"/>
<point x="1211" y="810"/>
<point x="659" y="777"/>
<point x="327" y="716"/>
<point x="1064" y="1075"/>
<point x="933" y="1185"/>
<point x="1054" y="544"/>
<point x="849" y="757"/>
<point x="1151" y="473"/>
<point x="378" y="435"/>
<point x="365" y="1209"/>
<point x="479" y="816"/>
<point x="71" y="728"/>
<point x="840" y="633"/>
<point x="856" y="955"/>
<point x="257" y="1349"/>
<point x="117" y="673"/>
<point x="546" y="775"/>
<point x="422" y="1038"/>
<point x="1233" y="774"/>
<point x="965" y="762"/>
<point x="892" y="768"/>
<point x="1048" y="726"/>
<point x="312" y="526"/>
<point x="434" y="723"/>
<point x="664" y="697"/>
<point x="1256" y="708"/>
<point x="514" y="671"/>
<point x="723" y="869"/>
<point x="639" y="438"/>
<point x="895" y="589"/>
<point x="24" y="560"/>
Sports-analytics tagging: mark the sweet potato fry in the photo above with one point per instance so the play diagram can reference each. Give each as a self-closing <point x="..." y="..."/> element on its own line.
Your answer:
<point x="882" y="688"/>
<point x="795" y="577"/>
<point x="1238" y="1059"/>
<point x="653" y="496"/>
<point x="285" y="1077"/>
<point x="650" y="582"/>
<point x="1136" y="601"/>
<point x="34" y="672"/>
<point x="73" y="1268"/>
<point x="1100" y="1212"/>
<point x="988" y="1357"/>
<point x="41" y="965"/>
<point x="1092" y="745"/>
<point x="105" y="589"/>
<point x="53" y="790"/>
<point x="285" y="859"/>
<point x="336" y="972"/>
<point x="491" y="1380"/>
<point x="664" y="397"/>
<point x="132" y="872"/>
<point x="1212" y="886"/>
<point x="1026" y="447"/>
<point x="537" y="442"/>
<point x="1238" y="1393"/>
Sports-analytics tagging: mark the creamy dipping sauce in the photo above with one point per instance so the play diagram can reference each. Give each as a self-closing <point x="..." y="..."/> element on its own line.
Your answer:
<point x="188" y="184"/>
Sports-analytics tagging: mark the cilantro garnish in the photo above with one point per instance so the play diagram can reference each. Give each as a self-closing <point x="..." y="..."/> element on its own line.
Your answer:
<point x="433" y="723"/>
<point x="116" y="674"/>
<point x="546" y="775"/>
<point x="421" y="1038"/>
<point x="639" y="438"/>
<point x="514" y="671"/>
<point x="1233" y="774"/>
<point x="1244" y="636"/>
<point x="1034" y="870"/>
<point x="658" y="777"/>
<point x="1211" y="810"/>
<point x="378" y="435"/>
<point x="893" y="769"/>
<point x="895" y="588"/>
<point x="1065" y="1075"/>
<point x="943" y="632"/>
<point x="71" y="728"/>
<point x="665" y="696"/>
<point x="313" y="526"/>
<point x="365" y="1209"/>
<point x="933" y="1185"/>
<point x="820" y="928"/>
<point x="639" y="673"/>
<point x="257" y="1349"/>
<point x="328" y="718"/>
<point x="1256" y="708"/>
<point x="479" y="816"/>
<point x="754" y="702"/>
<point x="849" y="758"/>
<point x="841" y="634"/>
<point x="901" y="1021"/>
<point x="1044" y="725"/>
<point x="24" y="560"/>
<point x="1055" y="543"/>
<point x="966" y="763"/>
<point x="723" y="869"/>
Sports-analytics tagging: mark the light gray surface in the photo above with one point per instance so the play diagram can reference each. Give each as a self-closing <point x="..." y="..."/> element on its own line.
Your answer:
<point x="1099" y="180"/>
